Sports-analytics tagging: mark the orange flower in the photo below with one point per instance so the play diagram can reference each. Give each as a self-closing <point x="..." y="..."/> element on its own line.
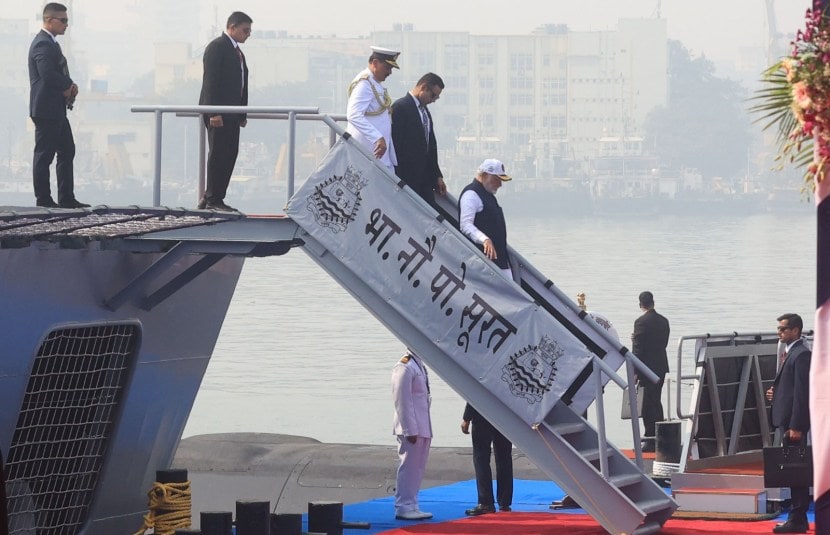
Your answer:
<point x="801" y="95"/>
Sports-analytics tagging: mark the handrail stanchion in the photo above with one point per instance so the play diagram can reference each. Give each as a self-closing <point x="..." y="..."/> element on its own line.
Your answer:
<point x="332" y="138"/>
<point x="157" y="162"/>
<point x="635" y="416"/>
<point x="292" y="146"/>
<point x="200" y="189"/>
<point x="600" y="406"/>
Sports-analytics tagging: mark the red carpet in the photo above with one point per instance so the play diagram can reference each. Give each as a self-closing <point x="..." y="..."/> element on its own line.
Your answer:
<point x="572" y="524"/>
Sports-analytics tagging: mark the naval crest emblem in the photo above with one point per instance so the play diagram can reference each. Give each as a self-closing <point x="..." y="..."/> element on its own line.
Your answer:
<point x="336" y="201"/>
<point x="531" y="371"/>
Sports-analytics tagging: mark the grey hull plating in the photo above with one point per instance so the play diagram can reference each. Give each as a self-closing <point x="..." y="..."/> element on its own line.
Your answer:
<point x="48" y="283"/>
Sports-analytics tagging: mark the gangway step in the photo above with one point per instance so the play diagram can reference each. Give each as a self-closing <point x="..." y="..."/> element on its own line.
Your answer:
<point x="752" y="501"/>
<point x="592" y="454"/>
<point x="648" y="527"/>
<point x="568" y="428"/>
<point x="625" y="480"/>
<point x="650" y="506"/>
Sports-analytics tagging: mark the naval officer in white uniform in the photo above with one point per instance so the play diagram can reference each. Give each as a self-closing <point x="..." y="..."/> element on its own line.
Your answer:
<point x="412" y="426"/>
<point x="370" y="107"/>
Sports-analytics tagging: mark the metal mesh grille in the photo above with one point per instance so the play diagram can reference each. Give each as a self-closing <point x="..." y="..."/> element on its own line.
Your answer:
<point x="23" y="227"/>
<point x="64" y="426"/>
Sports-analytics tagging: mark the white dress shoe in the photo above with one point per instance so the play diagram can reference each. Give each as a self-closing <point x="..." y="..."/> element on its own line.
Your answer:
<point x="413" y="515"/>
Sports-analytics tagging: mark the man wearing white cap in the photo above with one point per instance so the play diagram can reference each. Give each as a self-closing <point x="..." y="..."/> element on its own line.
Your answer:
<point x="481" y="218"/>
<point x="369" y="111"/>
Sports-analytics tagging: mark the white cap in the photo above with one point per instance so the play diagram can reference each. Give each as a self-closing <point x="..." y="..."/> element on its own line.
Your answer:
<point x="494" y="167"/>
<point x="386" y="54"/>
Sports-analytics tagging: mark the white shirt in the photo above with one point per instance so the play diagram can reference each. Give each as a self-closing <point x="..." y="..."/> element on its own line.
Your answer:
<point x="471" y="204"/>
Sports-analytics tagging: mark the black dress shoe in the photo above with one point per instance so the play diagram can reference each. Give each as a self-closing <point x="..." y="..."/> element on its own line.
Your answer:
<point x="74" y="203"/>
<point x="647" y="446"/>
<point x="480" y="510"/>
<point x="220" y="206"/>
<point x="791" y="527"/>
<point x="565" y="503"/>
<point x="505" y="508"/>
<point x="47" y="203"/>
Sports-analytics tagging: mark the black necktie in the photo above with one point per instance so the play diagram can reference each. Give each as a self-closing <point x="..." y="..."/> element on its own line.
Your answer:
<point x="242" y="67"/>
<point x="425" y="120"/>
<point x="62" y="61"/>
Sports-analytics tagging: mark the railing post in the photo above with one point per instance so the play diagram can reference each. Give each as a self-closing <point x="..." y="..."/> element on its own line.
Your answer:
<point x="602" y="445"/>
<point x="292" y="146"/>
<point x="157" y="162"/>
<point x="200" y="190"/>
<point x="635" y="416"/>
<point x="332" y="137"/>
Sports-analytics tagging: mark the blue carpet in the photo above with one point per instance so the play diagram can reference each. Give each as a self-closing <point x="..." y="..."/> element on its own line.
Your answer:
<point x="448" y="503"/>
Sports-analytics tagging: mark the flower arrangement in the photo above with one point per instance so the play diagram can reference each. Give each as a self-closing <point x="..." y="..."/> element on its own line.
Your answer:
<point x="795" y="98"/>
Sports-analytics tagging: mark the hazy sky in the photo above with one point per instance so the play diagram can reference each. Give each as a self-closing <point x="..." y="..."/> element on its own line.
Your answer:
<point x="718" y="28"/>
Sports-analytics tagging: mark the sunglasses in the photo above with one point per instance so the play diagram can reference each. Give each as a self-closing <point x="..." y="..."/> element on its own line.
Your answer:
<point x="782" y="329"/>
<point x="64" y="20"/>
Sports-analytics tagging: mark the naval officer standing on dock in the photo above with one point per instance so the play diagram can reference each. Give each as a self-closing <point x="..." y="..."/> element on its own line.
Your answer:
<point x="412" y="426"/>
<point x="370" y="107"/>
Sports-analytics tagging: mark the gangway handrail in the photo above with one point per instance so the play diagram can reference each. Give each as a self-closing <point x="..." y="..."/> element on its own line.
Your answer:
<point x="276" y="112"/>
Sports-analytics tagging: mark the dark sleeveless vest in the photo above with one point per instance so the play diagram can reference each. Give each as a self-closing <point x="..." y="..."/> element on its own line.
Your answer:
<point x="490" y="221"/>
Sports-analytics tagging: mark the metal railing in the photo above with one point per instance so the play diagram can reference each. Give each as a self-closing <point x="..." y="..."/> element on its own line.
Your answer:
<point x="290" y="113"/>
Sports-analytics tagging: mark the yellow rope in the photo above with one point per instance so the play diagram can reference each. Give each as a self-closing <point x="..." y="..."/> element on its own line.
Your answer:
<point x="174" y="500"/>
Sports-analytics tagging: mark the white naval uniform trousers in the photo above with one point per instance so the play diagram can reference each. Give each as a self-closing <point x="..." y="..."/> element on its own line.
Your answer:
<point x="410" y="393"/>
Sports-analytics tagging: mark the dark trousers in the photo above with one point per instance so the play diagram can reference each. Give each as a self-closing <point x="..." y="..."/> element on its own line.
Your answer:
<point x="484" y="436"/>
<point x="425" y="191"/>
<point x="799" y="496"/>
<point x="53" y="136"/>
<point x="652" y="405"/>
<point x="223" y="144"/>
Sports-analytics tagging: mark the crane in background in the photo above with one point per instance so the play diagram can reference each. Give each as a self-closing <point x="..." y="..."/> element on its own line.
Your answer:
<point x="774" y="48"/>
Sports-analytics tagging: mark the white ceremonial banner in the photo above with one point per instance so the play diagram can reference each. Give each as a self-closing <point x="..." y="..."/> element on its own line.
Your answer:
<point x="433" y="276"/>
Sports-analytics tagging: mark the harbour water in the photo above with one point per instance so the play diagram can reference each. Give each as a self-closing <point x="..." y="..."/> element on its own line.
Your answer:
<point x="298" y="355"/>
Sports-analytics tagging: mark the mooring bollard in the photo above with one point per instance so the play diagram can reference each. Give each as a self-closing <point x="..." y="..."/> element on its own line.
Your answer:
<point x="286" y="524"/>
<point x="327" y="517"/>
<point x="169" y="503"/>
<point x="253" y="518"/>
<point x="216" y="522"/>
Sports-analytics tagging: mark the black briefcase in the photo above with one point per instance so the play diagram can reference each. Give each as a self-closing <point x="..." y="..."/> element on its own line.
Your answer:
<point x="788" y="466"/>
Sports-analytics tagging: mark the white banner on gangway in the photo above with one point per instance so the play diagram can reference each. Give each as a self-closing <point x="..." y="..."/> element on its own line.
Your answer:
<point x="432" y="276"/>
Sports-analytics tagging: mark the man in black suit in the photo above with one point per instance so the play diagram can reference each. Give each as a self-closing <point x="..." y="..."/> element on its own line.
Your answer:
<point x="413" y="136"/>
<point x="51" y="93"/>
<point x="224" y="83"/>
<point x="649" y="341"/>
<point x="486" y="436"/>
<point x="790" y="396"/>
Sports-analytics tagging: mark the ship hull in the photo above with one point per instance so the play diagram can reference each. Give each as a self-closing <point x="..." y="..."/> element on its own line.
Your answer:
<point x="67" y="398"/>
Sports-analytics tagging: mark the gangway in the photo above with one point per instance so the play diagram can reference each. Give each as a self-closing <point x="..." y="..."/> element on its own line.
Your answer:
<point x="520" y="351"/>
